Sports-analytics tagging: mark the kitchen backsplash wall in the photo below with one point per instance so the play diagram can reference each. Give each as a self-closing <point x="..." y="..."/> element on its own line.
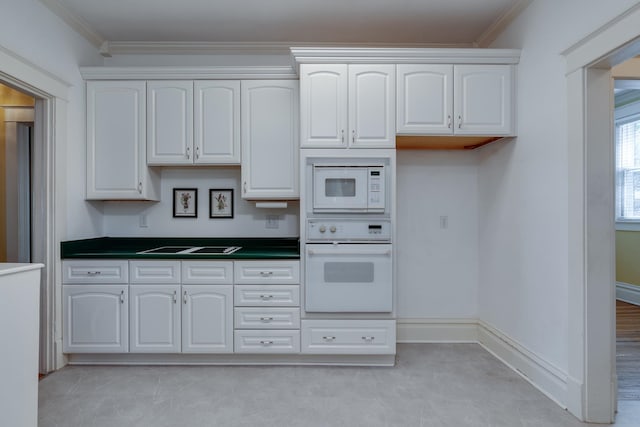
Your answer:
<point x="125" y="218"/>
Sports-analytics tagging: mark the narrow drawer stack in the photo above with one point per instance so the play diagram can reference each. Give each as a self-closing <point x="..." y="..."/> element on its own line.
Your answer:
<point x="267" y="307"/>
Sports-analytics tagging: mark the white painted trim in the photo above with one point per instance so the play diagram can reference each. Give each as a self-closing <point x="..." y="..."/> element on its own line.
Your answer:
<point x="355" y="55"/>
<point x="628" y="293"/>
<point x="33" y="78"/>
<point x="437" y="330"/>
<point x="543" y="375"/>
<point x="187" y="73"/>
<point x="627" y="225"/>
<point x="611" y="42"/>
<point x="500" y="24"/>
<point x="74" y="21"/>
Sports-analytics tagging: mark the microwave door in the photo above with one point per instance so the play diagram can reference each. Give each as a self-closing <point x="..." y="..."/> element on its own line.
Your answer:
<point x="339" y="189"/>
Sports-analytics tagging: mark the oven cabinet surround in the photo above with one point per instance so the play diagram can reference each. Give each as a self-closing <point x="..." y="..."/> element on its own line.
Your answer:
<point x="193" y="122"/>
<point x="347" y="105"/>
<point x="461" y="99"/>
<point x="116" y="142"/>
<point x="270" y="133"/>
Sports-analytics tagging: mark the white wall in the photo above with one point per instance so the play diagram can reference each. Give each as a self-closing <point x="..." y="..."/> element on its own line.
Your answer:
<point x="523" y="212"/>
<point x="437" y="267"/>
<point x="29" y="29"/>
<point x="123" y="218"/>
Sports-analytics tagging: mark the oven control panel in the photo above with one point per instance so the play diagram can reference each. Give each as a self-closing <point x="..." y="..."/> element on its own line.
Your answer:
<point x="336" y="230"/>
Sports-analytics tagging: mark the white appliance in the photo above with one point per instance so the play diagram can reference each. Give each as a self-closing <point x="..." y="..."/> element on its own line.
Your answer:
<point x="348" y="188"/>
<point x="342" y="276"/>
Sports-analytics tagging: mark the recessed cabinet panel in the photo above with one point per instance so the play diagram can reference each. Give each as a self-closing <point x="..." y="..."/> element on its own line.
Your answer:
<point x="348" y="336"/>
<point x="207" y="272"/>
<point x="154" y="272"/>
<point x="267" y="295"/>
<point x="267" y="341"/>
<point x="95" y="271"/>
<point x="372" y="101"/>
<point x="207" y="319"/>
<point x="217" y="122"/>
<point x="96" y="318"/>
<point x="425" y="99"/>
<point x="483" y="99"/>
<point x="260" y="272"/>
<point x="169" y="122"/>
<point x="155" y="318"/>
<point x="270" y="139"/>
<point x="323" y="93"/>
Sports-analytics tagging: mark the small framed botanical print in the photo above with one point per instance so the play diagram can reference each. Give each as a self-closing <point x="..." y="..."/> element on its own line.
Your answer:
<point x="221" y="203"/>
<point x="185" y="202"/>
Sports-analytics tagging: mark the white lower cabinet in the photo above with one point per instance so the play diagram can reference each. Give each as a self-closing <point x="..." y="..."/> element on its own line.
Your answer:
<point x="348" y="336"/>
<point x="154" y="319"/>
<point x="267" y="341"/>
<point x="96" y="318"/>
<point x="207" y="318"/>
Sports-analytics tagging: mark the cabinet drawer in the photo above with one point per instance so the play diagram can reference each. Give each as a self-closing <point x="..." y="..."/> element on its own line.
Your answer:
<point x="207" y="272"/>
<point x="95" y="271"/>
<point x="349" y="336"/>
<point x="154" y="272"/>
<point x="274" y="295"/>
<point x="267" y="318"/>
<point x="270" y="341"/>
<point x="264" y="272"/>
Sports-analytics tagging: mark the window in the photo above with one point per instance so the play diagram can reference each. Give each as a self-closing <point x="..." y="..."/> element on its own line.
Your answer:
<point x="628" y="168"/>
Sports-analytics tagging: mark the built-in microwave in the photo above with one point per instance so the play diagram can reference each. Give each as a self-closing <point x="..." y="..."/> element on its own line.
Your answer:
<point x="348" y="188"/>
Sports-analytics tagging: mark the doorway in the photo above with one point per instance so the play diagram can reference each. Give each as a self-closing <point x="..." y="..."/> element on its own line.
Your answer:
<point x="16" y="146"/>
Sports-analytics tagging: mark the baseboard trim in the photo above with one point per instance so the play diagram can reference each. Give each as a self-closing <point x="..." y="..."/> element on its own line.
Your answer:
<point x="550" y="380"/>
<point x="628" y="293"/>
<point x="437" y="331"/>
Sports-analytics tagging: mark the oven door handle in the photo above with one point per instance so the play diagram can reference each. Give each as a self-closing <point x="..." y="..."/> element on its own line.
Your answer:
<point x="384" y="252"/>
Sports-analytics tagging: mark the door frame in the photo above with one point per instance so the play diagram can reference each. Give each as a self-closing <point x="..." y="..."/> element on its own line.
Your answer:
<point x="49" y="142"/>
<point x="592" y="381"/>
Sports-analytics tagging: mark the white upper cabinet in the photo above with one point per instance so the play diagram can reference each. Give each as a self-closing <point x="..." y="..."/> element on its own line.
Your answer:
<point x="217" y="122"/>
<point x="372" y="106"/>
<point x="270" y="139"/>
<point x="169" y="122"/>
<point x="483" y="99"/>
<point x="116" y="142"/>
<point x="347" y="106"/>
<point x="323" y="100"/>
<point x="425" y="99"/>
<point x="193" y="122"/>
<point x="455" y="100"/>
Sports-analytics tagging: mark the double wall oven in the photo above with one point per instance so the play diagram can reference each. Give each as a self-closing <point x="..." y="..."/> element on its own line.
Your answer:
<point x="348" y="236"/>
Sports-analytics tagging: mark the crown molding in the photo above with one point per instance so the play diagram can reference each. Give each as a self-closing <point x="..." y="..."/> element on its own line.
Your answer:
<point x="74" y="21"/>
<point x="500" y="24"/>
<point x="187" y="73"/>
<point x="311" y="55"/>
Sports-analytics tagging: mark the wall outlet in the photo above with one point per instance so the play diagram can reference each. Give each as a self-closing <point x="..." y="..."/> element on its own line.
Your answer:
<point x="144" y="221"/>
<point x="273" y="221"/>
<point x="444" y="222"/>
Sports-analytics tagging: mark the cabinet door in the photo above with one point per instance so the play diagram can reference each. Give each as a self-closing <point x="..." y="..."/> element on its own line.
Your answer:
<point x="96" y="318"/>
<point x="217" y="122"/>
<point x="169" y="122"/>
<point x="207" y="318"/>
<point x="425" y="99"/>
<point x="269" y="139"/>
<point x="155" y="318"/>
<point x="323" y="105"/>
<point x="372" y="106"/>
<point x="116" y="142"/>
<point x="483" y="99"/>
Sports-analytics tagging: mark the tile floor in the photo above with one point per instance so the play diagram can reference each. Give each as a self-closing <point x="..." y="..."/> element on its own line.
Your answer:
<point x="435" y="385"/>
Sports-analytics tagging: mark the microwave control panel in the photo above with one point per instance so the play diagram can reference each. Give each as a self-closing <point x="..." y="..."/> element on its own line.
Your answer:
<point x="331" y="230"/>
<point x="376" y="188"/>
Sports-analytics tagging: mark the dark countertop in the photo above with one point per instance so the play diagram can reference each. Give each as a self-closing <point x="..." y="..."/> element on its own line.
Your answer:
<point x="128" y="248"/>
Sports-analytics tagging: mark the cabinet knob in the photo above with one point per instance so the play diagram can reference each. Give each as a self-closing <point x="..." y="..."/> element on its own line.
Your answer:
<point x="122" y="297"/>
<point x="188" y="152"/>
<point x="353" y="136"/>
<point x="459" y="122"/>
<point x="175" y="297"/>
<point x="140" y="187"/>
<point x="449" y="121"/>
<point x="343" y="135"/>
<point x="184" y="297"/>
<point x="197" y="151"/>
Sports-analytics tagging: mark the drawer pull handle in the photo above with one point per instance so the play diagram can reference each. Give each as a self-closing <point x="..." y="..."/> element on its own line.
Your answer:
<point x="266" y="297"/>
<point x="184" y="297"/>
<point x="368" y="338"/>
<point x="121" y="297"/>
<point x="175" y="297"/>
<point x="266" y="273"/>
<point x="93" y="273"/>
<point x="266" y="342"/>
<point x="328" y="338"/>
<point x="266" y="319"/>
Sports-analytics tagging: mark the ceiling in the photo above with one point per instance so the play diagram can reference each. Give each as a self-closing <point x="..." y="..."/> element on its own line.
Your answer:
<point x="455" y="23"/>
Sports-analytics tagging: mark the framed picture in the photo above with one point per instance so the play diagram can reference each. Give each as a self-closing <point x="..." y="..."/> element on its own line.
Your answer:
<point x="221" y="203"/>
<point x="185" y="202"/>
